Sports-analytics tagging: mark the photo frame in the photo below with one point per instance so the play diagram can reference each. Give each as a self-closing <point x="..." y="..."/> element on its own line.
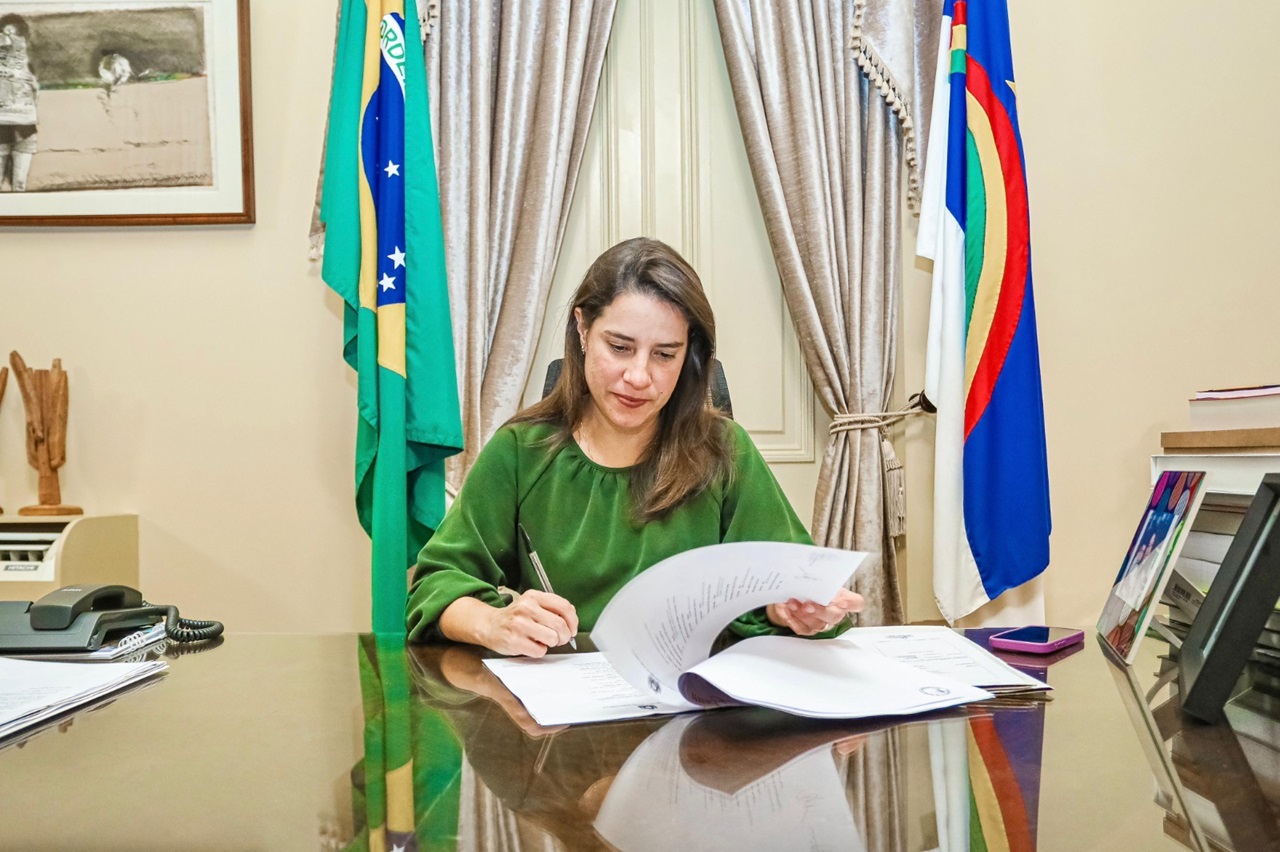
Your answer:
<point x="1131" y="604"/>
<point x="125" y="112"/>
<point x="1241" y="597"/>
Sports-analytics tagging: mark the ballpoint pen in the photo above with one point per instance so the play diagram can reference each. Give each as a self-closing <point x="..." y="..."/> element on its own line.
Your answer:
<point x="541" y="572"/>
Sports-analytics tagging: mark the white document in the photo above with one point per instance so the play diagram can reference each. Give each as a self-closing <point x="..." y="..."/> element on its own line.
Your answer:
<point x="656" y="634"/>
<point x="31" y="692"/>
<point x="569" y="689"/>
<point x="800" y="805"/>
<point x="130" y="648"/>
<point x="664" y="621"/>
<point x="820" y="678"/>
<point x="943" y="651"/>
<point x="826" y="679"/>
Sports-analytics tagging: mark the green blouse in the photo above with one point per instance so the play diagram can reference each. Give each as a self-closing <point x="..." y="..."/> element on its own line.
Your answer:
<point x="578" y="516"/>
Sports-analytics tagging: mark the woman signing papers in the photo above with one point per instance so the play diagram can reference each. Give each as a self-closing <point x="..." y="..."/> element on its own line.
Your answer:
<point x="621" y="466"/>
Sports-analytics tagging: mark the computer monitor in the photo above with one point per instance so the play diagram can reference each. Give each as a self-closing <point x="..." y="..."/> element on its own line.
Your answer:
<point x="1244" y="592"/>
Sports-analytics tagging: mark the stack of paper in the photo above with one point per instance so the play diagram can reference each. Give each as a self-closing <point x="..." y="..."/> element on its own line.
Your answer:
<point x="130" y="648"/>
<point x="942" y="651"/>
<point x="820" y="678"/>
<point x="868" y="672"/>
<point x="33" y="692"/>
<point x="656" y="634"/>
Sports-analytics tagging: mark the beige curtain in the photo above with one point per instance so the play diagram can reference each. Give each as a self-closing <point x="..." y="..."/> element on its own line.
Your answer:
<point x="512" y="86"/>
<point x="829" y="125"/>
<point x="876" y="781"/>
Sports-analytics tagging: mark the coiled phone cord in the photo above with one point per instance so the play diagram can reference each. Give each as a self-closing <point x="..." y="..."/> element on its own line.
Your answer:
<point x="183" y="629"/>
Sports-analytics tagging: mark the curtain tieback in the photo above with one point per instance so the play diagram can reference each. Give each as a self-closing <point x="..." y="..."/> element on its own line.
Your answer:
<point x="895" y="500"/>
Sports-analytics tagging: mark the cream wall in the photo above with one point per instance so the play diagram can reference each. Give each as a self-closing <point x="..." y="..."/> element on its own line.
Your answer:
<point x="208" y="392"/>
<point x="209" y="396"/>
<point x="1150" y="136"/>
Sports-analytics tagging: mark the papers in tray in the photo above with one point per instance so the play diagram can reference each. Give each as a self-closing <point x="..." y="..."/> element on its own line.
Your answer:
<point x="33" y="692"/>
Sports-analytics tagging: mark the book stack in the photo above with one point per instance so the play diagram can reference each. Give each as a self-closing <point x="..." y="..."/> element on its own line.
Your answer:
<point x="1183" y="598"/>
<point x="1234" y="437"/>
<point x="1207" y="542"/>
<point x="1236" y="409"/>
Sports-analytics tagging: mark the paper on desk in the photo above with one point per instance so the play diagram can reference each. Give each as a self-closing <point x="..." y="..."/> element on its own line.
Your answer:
<point x="665" y="620"/>
<point x="31" y="691"/>
<point x="570" y="689"/>
<point x="825" y="679"/>
<point x="126" y="649"/>
<point x="943" y="651"/>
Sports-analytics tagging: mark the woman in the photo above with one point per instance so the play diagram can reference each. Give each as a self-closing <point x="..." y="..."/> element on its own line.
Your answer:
<point x="622" y="465"/>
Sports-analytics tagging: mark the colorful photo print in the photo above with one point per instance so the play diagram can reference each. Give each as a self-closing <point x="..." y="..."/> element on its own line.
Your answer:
<point x="1154" y="549"/>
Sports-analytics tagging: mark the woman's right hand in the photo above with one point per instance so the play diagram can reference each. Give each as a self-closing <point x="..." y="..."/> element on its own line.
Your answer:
<point x="528" y="626"/>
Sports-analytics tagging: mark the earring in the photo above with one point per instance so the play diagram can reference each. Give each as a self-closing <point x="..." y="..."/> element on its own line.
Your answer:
<point x="584" y="349"/>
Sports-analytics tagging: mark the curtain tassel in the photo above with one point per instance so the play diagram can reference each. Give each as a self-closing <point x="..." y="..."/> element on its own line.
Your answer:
<point x="895" y="490"/>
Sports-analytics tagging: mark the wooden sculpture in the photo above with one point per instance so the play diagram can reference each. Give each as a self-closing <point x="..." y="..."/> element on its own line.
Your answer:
<point x="44" y="395"/>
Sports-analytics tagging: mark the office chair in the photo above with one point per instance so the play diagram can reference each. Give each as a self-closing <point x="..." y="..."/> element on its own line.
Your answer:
<point x="719" y="385"/>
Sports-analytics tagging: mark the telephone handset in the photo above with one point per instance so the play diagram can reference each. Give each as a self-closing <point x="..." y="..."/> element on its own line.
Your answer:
<point x="58" y="610"/>
<point x="82" y="617"/>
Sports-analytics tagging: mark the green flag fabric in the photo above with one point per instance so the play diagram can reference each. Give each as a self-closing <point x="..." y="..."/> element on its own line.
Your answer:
<point x="384" y="780"/>
<point x="384" y="255"/>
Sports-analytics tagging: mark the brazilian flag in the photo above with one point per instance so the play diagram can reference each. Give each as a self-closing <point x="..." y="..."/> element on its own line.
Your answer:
<point x="400" y="805"/>
<point x="384" y="255"/>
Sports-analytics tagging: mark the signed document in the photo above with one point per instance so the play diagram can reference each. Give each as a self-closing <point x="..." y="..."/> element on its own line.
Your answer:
<point x="569" y="689"/>
<point x="941" y="650"/>
<point x="664" y="622"/>
<point x="655" y="639"/>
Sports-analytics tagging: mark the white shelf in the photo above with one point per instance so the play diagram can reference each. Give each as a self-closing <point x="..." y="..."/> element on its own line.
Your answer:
<point x="1225" y="473"/>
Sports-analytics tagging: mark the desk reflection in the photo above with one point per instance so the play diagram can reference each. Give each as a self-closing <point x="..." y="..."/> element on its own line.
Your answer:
<point x="277" y="741"/>
<point x="484" y="775"/>
<point x="1211" y="780"/>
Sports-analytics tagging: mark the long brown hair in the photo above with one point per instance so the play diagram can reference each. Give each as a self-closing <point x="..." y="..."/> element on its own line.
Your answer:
<point x="689" y="450"/>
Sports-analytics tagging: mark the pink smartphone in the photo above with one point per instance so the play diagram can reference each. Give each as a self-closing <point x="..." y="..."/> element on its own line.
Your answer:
<point x="1036" y="639"/>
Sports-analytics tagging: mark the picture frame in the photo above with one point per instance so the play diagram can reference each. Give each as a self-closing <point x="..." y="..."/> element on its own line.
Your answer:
<point x="125" y="112"/>
<point x="1161" y="533"/>
<point x="1243" y="594"/>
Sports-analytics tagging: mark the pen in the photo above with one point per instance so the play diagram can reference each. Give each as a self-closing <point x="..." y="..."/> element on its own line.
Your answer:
<point x="541" y="572"/>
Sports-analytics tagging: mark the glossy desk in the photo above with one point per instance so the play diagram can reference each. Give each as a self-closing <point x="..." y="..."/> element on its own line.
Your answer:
<point x="281" y="742"/>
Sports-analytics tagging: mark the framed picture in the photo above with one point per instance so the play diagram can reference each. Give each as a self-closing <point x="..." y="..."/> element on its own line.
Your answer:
<point x="1228" y="625"/>
<point x="1152" y="554"/>
<point x="125" y="112"/>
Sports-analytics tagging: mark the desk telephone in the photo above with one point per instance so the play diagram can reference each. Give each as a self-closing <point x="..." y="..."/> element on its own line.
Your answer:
<point x="82" y="617"/>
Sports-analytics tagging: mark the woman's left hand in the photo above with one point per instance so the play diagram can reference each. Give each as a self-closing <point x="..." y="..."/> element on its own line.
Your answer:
<point x="805" y="618"/>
